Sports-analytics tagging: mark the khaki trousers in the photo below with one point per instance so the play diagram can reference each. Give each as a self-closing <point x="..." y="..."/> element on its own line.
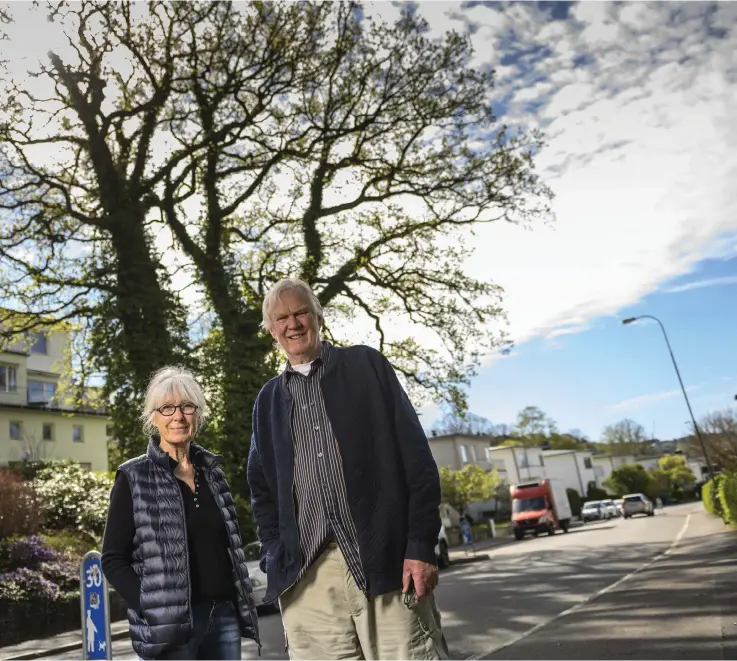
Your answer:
<point x="326" y="616"/>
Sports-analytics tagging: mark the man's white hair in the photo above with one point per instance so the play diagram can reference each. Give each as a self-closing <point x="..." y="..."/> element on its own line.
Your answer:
<point x="285" y="285"/>
<point x="168" y="384"/>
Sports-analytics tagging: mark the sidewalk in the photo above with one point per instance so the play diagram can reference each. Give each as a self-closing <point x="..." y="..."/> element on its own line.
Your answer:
<point x="466" y="553"/>
<point x="70" y="641"/>
<point x="63" y="642"/>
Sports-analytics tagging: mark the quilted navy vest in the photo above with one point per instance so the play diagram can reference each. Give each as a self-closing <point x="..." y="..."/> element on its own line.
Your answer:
<point x="160" y="556"/>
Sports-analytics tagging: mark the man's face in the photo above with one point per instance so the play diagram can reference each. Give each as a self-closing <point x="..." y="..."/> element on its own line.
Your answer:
<point x="295" y="328"/>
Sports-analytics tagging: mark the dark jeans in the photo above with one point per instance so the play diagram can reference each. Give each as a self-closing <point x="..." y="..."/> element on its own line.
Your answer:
<point x="215" y="635"/>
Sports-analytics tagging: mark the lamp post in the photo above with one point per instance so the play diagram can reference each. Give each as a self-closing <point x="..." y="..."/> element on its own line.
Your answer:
<point x="680" y="380"/>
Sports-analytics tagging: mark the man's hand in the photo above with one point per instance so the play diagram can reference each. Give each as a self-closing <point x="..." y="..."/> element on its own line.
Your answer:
<point x="423" y="574"/>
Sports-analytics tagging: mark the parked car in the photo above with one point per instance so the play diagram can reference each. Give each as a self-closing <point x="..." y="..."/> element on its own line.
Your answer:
<point x="593" y="511"/>
<point x="610" y="507"/>
<point x="258" y="578"/>
<point x="620" y="506"/>
<point x="637" y="503"/>
<point x="442" y="549"/>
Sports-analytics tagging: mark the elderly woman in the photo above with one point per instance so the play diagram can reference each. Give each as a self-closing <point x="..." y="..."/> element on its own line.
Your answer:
<point x="172" y="548"/>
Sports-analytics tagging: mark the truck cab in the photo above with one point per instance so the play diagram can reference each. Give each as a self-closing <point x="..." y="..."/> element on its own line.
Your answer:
<point x="539" y="507"/>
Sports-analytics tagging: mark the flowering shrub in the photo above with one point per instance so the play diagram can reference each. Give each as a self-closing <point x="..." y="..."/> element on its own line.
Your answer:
<point x="19" y="509"/>
<point x="24" y="584"/>
<point x="32" y="570"/>
<point x="73" y="498"/>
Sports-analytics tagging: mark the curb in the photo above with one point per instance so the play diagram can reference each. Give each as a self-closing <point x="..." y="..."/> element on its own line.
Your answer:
<point x="61" y="649"/>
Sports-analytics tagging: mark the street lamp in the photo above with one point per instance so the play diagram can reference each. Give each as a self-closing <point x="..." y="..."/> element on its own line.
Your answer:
<point x="680" y="380"/>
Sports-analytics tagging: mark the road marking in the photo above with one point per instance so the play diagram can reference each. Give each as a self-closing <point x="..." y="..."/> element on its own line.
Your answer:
<point x="590" y="598"/>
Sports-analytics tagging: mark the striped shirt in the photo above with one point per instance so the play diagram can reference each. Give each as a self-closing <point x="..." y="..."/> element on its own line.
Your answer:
<point x="323" y="514"/>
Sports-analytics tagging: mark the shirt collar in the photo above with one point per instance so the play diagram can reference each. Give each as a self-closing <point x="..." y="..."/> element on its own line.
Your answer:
<point x="322" y="359"/>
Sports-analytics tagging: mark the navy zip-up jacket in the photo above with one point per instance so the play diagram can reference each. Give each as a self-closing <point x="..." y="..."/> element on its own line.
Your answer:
<point x="391" y="478"/>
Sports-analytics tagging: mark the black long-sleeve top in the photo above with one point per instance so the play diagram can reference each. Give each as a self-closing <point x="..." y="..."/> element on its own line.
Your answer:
<point x="209" y="562"/>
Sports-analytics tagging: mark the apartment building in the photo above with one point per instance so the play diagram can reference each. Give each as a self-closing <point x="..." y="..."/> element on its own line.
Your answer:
<point x="36" y="421"/>
<point x="457" y="450"/>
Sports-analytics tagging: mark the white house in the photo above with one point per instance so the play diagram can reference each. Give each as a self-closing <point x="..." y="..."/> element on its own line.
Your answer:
<point x="516" y="464"/>
<point x="574" y="468"/>
<point x="605" y="464"/>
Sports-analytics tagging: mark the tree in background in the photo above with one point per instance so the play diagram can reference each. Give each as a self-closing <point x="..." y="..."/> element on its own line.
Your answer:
<point x="257" y="141"/>
<point x="719" y="430"/>
<point x="632" y="478"/>
<point x="465" y="422"/>
<point x="673" y="476"/>
<point x="624" y="437"/>
<point x="468" y="485"/>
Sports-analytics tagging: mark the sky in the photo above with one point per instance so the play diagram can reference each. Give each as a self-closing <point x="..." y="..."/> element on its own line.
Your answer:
<point x="637" y="101"/>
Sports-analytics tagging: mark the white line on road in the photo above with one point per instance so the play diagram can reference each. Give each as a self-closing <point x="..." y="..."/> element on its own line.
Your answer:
<point x="590" y="598"/>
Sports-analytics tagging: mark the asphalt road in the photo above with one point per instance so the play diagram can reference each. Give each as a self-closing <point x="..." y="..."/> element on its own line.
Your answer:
<point x="542" y="598"/>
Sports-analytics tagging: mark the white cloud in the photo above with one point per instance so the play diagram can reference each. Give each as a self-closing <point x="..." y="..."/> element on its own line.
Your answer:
<point x="642" y="156"/>
<point x="701" y="284"/>
<point x="645" y="400"/>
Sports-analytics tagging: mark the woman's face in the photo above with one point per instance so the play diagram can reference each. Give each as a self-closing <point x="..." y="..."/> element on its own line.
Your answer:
<point x="175" y="420"/>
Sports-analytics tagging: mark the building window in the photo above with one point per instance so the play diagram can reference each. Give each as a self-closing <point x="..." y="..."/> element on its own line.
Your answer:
<point x="16" y="431"/>
<point x="8" y="382"/>
<point x="77" y="434"/>
<point x="587" y="462"/>
<point x="40" y="392"/>
<point x="86" y="465"/>
<point x="473" y="454"/>
<point x="47" y="432"/>
<point x="40" y="343"/>
<point x="464" y="454"/>
<point x="487" y="451"/>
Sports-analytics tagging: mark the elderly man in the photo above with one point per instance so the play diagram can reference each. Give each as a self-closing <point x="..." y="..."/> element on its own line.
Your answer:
<point x="345" y="493"/>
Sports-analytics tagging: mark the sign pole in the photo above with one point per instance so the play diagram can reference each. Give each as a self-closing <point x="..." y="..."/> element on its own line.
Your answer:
<point x="95" y="608"/>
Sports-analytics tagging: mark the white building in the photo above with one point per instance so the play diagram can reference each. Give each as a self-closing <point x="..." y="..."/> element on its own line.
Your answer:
<point x="572" y="467"/>
<point x="605" y="464"/>
<point x="516" y="464"/>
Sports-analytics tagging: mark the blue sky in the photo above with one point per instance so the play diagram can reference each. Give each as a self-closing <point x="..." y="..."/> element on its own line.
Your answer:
<point x="637" y="102"/>
<point x="610" y="371"/>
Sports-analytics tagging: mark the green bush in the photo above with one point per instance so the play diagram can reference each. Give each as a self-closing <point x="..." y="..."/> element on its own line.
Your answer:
<point x="575" y="499"/>
<point x="595" y="493"/>
<point x="73" y="498"/>
<point x="710" y="496"/>
<point x="727" y="497"/>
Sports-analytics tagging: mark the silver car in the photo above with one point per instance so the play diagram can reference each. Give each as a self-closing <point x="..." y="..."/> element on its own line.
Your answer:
<point x="637" y="503"/>
<point x="258" y="578"/>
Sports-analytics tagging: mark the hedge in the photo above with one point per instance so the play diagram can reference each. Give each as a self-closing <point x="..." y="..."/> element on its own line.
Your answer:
<point x="728" y="497"/>
<point x="720" y="496"/>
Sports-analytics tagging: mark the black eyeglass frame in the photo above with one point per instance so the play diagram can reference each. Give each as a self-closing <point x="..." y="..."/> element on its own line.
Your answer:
<point x="177" y="406"/>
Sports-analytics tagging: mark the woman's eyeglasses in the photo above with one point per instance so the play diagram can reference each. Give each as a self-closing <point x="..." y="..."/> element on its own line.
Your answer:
<point x="169" y="409"/>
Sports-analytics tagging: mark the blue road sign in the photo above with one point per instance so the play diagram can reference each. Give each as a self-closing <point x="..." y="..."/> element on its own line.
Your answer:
<point x="466" y="532"/>
<point x="95" y="608"/>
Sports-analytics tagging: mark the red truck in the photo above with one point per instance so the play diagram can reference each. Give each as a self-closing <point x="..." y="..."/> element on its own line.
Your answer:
<point x="540" y="507"/>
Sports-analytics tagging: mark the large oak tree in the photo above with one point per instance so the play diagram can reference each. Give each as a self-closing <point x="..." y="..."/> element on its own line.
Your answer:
<point x="264" y="140"/>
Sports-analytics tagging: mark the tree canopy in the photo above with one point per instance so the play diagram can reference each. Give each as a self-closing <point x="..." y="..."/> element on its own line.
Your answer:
<point x="178" y="158"/>
<point x="467" y="485"/>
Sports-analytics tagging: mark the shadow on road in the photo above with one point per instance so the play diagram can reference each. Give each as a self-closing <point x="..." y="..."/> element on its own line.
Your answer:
<point x="682" y="607"/>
